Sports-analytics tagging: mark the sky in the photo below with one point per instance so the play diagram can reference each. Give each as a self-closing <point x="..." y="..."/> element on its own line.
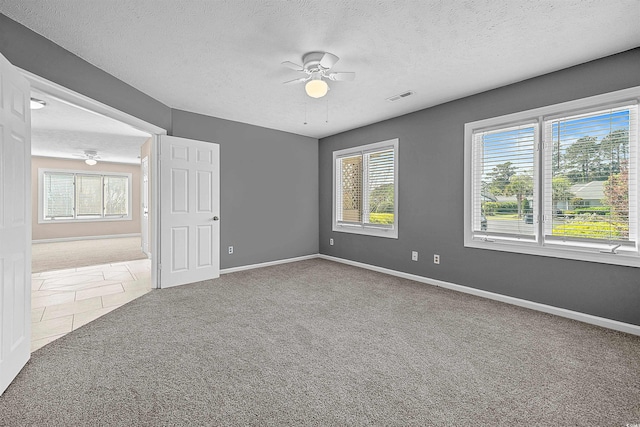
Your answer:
<point x="516" y="144"/>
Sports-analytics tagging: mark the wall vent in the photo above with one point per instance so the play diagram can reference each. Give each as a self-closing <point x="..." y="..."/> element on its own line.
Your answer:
<point x="400" y="96"/>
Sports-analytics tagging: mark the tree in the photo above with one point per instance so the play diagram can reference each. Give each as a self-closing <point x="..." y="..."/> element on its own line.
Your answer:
<point x="519" y="186"/>
<point x="614" y="149"/>
<point x="500" y="176"/>
<point x="582" y="159"/>
<point x="381" y="199"/>
<point x="616" y="192"/>
<point x="616" y="195"/>
<point x="561" y="186"/>
<point x="557" y="159"/>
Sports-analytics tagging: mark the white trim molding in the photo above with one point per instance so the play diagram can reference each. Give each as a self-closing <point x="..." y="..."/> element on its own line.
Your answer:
<point x="266" y="264"/>
<point x="569" y="314"/>
<point x="73" y="239"/>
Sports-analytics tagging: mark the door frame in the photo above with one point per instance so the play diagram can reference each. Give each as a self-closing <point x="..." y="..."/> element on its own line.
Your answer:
<point x="63" y="94"/>
<point x="144" y="198"/>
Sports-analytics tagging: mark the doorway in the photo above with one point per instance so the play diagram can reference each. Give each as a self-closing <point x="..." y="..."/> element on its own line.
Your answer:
<point x="87" y="185"/>
<point x="190" y="247"/>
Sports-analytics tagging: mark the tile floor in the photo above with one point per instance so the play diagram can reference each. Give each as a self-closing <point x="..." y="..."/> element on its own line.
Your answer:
<point x="64" y="300"/>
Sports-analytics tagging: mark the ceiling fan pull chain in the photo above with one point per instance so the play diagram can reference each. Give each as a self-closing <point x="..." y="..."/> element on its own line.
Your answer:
<point x="305" y="111"/>
<point x="327" y="119"/>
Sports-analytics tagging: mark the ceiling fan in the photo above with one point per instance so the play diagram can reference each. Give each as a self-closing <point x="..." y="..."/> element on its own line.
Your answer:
<point x="91" y="157"/>
<point x="317" y="66"/>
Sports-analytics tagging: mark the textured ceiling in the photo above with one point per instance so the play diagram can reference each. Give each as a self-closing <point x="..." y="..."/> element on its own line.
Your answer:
<point x="222" y="57"/>
<point x="65" y="131"/>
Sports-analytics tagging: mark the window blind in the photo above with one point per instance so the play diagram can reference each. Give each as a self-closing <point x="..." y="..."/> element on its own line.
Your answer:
<point x="366" y="188"/>
<point x="503" y="186"/>
<point x="591" y="175"/>
<point x="116" y="195"/>
<point x="58" y="195"/>
<point x="379" y="197"/>
<point x="89" y="195"/>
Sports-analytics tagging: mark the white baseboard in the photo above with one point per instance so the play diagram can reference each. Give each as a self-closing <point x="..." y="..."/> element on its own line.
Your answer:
<point x="575" y="315"/>
<point x="71" y="239"/>
<point x="266" y="264"/>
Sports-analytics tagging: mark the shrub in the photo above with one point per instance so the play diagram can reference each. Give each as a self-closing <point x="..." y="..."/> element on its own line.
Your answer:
<point x="596" y="210"/>
<point x="381" y="218"/>
<point x="499" y="208"/>
<point x="385" y="207"/>
<point x="584" y="227"/>
<point x="577" y="202"/>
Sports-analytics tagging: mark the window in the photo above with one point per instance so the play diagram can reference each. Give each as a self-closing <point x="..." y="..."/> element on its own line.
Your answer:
<point x="365" y="191"/>
<point x="559" y="181"/>
<point x="72" y="196"/>
<point x="116" y="195"/>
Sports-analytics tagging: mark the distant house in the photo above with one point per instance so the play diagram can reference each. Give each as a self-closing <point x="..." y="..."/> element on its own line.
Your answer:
<point x="488" y="197"/>
<point x="591" y="193"/>
<point x="506" y="199"/>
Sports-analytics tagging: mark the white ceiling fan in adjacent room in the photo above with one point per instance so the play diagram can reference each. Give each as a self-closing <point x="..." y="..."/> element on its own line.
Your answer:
<point x="91" y="157"/>
<point x="317" y="66"/>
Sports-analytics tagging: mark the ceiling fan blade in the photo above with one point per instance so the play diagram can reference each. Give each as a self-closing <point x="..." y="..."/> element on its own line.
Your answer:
<point x="300" y="80"/>
<point x="342" y="77"/>
<point x="328" y="60"/>
<point x="293" y="66"/>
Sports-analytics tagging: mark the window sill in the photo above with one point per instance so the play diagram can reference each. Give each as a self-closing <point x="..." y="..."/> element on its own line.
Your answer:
<point x="626" y="258"/>
<point x="389" y="233"/>
<point x="82" y="220"/>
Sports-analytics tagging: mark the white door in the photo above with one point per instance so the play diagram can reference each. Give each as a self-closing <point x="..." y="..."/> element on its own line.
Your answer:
<point x="145" y="206"/>
<point x="15" y="223"/>
<point x="189" y="211"/>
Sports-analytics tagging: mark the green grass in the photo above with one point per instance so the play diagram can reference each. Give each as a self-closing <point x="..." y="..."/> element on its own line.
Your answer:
<point x="503" y="217"/>
<point x="381" y="218"/>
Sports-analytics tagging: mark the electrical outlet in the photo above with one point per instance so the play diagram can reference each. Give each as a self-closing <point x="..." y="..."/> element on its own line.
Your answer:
<point x="331" y="242"/>
<point x="436" y="259"/>
<point x="230" y="250"/>
<point x="414" y="255"/>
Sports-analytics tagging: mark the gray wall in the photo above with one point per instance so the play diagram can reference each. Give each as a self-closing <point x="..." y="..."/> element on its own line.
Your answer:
<point x="269" y="179"/>
<point x="268" y="188"/>
<point x="431" y="191"/>
<point x="38" y="55"/>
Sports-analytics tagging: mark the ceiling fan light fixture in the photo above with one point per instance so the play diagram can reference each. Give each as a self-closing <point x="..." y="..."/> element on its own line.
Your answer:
<point x="91" y="162"/>
<point x="316" y="66"/>
<point x="316" y="88"/>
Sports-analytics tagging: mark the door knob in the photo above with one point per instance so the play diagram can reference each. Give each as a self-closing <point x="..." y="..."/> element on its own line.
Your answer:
<point x="215" y="218"/>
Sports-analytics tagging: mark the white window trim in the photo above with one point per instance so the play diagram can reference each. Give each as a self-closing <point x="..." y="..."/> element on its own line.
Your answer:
<point x="43" y="220"/>
<point x="625" y="256"/>
<point x="369" y="230"/>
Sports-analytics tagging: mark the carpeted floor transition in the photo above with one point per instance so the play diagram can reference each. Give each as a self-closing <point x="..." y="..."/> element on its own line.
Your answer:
<point x="82" y="253"/>
<point x="321" y="343"/>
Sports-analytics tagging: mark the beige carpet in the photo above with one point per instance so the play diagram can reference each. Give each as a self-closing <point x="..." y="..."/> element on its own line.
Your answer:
<point x="83" y="253"/>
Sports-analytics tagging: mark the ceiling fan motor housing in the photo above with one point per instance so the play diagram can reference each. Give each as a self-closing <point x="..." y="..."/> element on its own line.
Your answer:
<point x="311" y="61"/>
